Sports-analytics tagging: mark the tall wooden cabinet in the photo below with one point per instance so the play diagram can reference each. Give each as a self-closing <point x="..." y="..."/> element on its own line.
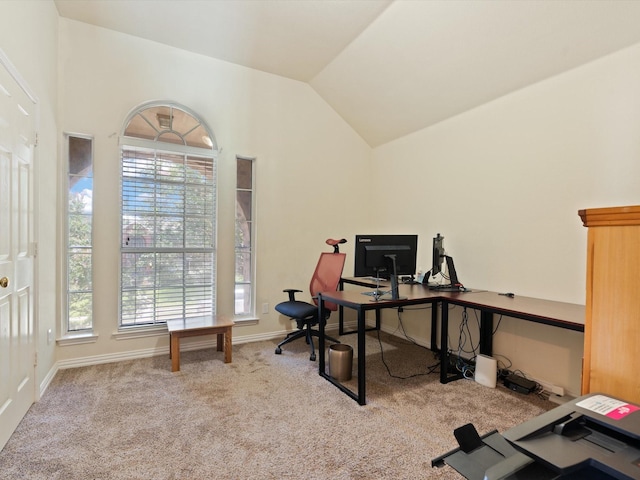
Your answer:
<point x="612" y="324"/>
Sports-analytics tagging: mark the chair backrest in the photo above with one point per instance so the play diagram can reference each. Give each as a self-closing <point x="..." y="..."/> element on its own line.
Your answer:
<point x="326" y="277"/>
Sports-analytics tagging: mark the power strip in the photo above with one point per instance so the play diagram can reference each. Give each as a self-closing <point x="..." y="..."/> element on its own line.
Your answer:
<point x="519" y="384"/>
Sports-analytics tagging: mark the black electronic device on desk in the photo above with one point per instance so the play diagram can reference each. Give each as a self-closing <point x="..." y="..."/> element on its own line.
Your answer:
<point x="385" y="256"/>
<point x="592" y="437"/>
<point x="438" y="256"/>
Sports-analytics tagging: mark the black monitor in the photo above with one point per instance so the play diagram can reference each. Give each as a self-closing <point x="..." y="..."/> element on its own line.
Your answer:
<point x="371" y="255"/>
<point x="437" y="255"/>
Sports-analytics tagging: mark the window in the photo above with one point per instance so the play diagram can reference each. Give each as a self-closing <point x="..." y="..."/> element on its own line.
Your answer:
<point x="168" y="220"/>
<point x="79" y="234"/>
<point x="244" y="287"/>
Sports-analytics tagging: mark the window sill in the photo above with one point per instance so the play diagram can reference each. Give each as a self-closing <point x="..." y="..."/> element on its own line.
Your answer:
<point x="77" y="339"/>
<point x="127" y="333"/>
<point x="245" y="321"/>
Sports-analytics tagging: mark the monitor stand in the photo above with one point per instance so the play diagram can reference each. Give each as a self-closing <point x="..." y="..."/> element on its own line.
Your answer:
<point x="394" y="278"/>
<point x="455" y="285"/>
<point x="393" y="294"/>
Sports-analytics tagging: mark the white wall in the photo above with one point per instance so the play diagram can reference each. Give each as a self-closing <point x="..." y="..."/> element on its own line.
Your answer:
<point x="309" y="163"/>
<point x="28" y="36"/>
<point x="504" y="182"/>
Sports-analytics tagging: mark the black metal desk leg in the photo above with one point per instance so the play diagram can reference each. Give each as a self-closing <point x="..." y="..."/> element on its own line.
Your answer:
<point x="341" y="311"/>
<point x="434" y="327"/>
<point x="321" y="336"/>
<point x="444" y="351"/>
<point x="362" y="379"/>
<point x="486" y="333"/>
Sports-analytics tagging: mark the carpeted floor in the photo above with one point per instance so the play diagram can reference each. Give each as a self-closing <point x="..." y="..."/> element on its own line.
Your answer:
<point x="264" y="416"/>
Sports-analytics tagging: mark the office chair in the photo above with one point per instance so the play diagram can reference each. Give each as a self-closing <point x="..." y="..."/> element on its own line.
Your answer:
<point x="325" y="278"/>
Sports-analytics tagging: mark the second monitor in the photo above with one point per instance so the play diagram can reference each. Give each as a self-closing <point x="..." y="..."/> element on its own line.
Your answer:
<point x="438" y="257"/>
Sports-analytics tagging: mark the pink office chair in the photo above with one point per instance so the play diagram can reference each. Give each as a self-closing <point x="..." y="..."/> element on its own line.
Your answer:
<point x="325" y="278"/>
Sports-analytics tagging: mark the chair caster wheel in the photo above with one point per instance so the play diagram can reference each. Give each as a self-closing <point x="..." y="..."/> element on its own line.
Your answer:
<point x="313" y="357"/>
<point x="278" y="351"/>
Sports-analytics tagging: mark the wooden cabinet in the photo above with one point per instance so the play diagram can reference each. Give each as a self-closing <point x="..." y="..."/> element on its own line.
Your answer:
<point x="612" y="324"/>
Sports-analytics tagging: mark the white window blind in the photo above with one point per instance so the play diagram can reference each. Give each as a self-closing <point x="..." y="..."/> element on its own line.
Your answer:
<point x="168" y="230"/>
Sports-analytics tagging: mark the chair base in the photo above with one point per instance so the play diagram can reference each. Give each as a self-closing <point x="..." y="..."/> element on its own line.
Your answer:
<point x="308" y="333"/>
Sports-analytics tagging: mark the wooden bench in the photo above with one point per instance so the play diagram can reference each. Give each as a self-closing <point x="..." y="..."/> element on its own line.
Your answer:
<point x="191" y="327"/>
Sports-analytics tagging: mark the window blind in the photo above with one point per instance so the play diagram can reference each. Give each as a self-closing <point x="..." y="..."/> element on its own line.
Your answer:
<point x="168" y="262"/>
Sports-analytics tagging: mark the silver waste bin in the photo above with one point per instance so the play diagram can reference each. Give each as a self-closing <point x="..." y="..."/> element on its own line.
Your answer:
<point x="340" y="361"/>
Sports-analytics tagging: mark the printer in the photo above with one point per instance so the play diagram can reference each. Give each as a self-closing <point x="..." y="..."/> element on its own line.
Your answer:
<point x="595" y="436"/>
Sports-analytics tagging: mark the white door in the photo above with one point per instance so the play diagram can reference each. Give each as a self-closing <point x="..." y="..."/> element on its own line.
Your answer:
<point x="17" y="345"/>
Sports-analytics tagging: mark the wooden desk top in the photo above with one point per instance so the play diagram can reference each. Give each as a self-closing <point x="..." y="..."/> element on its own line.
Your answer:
<point x="413" y="294"/>
<point x="198" y="323"/>
<point x="560" y="314"/>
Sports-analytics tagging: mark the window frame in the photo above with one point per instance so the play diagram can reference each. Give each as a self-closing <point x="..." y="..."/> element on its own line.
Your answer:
<point x="157" y="145"/>
<point x="68" y="331"/>
<point x="251" y="313"/>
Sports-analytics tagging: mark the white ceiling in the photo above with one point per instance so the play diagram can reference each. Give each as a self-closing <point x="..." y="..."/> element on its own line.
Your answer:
<point x="389" y="68"/>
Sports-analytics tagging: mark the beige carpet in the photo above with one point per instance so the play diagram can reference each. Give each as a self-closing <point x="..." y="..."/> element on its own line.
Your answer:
<point x="264" y="416"/>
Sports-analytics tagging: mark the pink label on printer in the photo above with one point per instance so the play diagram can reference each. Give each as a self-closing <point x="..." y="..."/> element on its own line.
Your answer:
<point x="622" y="411"/>
<point x="610" y="407"/>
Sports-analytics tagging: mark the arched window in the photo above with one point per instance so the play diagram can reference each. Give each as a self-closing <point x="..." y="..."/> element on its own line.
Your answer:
<point x="168" y="216"/>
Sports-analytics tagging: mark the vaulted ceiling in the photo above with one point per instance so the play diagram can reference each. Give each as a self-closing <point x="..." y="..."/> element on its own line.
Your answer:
<point x="389" y="68"/>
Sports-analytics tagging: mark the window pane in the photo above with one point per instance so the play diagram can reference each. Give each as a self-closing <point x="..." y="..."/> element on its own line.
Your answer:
<point x="243" y="267"/>
<point x="244" y="205"/>
<point x="172" y="124"/>
<point x="79" y="267"/>
<point x="244" y="175"/>
<point x="243" y="235"/>
<point x="80" y="311"/>
<point x="79" y="230"/>
<point x="199" y="232"/>
<point x="243" y="300"/>
<point x="80" y="156"/>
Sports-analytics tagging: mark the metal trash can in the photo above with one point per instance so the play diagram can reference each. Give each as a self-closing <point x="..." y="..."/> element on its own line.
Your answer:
<point x="340" y="361"/>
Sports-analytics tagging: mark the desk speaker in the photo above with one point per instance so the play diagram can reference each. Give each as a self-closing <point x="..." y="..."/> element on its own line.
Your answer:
<point x="486" y="372"/>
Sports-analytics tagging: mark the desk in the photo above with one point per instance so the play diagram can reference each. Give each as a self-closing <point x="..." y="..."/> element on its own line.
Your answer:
<point x="190" y="327"/>
<point x="558" y="314"/>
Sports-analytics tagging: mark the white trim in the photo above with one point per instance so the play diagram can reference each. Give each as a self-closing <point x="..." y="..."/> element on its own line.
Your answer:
<point x="77" y="339"/>
<point x="13" y="71"/>
<point x="46" y="381"/>
<point x="153" y="145"/>
<point x="126" y="333"/>
<point x="245" y="321"/>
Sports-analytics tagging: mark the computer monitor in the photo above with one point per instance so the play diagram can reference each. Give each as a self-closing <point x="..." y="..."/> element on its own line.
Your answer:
<point x="384" y="260"/>
<point x="404" y="247"/>
<point x="437" y="255"/>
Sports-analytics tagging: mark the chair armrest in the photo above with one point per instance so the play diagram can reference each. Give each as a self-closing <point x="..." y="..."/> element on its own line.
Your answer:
<point x="292" y="293"/>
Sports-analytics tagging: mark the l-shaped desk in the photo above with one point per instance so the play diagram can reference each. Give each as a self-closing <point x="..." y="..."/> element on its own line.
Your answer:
<point x="558" y="314"/>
